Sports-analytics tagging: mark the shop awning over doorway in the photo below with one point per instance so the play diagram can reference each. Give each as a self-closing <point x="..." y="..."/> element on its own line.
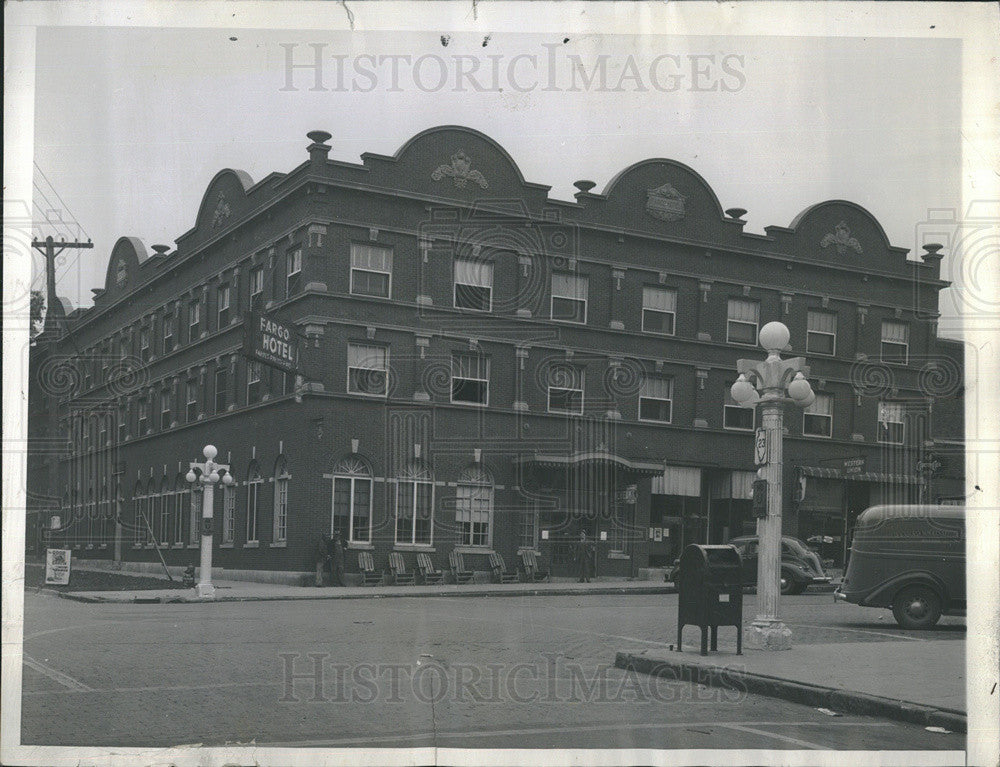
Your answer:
<point x="878" y="477"/>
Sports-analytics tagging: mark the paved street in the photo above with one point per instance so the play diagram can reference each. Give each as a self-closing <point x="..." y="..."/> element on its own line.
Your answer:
<point x="489" y="672"/>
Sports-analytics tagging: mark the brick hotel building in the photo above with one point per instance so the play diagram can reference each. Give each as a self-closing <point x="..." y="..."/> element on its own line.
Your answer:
<point x="483" y="368"/>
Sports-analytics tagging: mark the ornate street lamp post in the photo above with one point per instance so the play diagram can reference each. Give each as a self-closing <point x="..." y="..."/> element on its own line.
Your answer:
<point x="771" y="384"/>
<point x="209" y="474"/>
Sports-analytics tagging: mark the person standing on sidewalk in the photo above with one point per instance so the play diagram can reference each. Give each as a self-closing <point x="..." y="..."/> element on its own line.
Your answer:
<point x="584" y="556"/>
<point x="337" y="560"/>
<point x="322" y="556"/>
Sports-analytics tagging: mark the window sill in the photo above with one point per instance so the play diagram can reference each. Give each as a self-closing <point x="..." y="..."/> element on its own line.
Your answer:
<point x="421" y="547"/>
<point x="360" y="546"/>
<point x="225" y="545"/>
<point x="194" y="545"/>
<point x="278" y="545"/>
<point x="466" y="549"/>
<point x="618" y="555"/>
<point x="251" y="545"/>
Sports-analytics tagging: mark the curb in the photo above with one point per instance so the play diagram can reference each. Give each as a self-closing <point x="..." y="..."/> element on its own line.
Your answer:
<point x="179" y="599"/>
<point x="807" y="694"/>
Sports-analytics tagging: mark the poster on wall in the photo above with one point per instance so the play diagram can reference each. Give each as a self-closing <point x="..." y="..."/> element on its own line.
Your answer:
<point x="57" y="565"/>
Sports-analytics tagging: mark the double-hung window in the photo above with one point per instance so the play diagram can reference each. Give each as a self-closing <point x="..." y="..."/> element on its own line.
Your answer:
<point x="371" y="270"/>
<point x="253" y="492"/>
<point x="569" y="297"/>
<point x="168" y="332"/>
<point x="192" y="401"/>
<point x="659" y="310"/>
<point x="473" y="284"/>
<point x="470" y="379"/>
<point x="656" y="398"/>
<point x="891" y="425"/>
<point x="194" y="320"/>
<point x="253" y="382"/>
<point x="223" y="298"/>
<point x="895" y="342"/>
<point x="228" y="514"/>
<point x="473" y="511"/>
<point x="821" y="333"/>
<point x="256" y="287"/>
<point x="165" y="398"/>
<point x="293" y="272"/>
<point x="352" y="501"/>
<point x="736" y="416"/>
<point x="566" y="389"/>
<point x="742" y="325"/>
<point x="817" y="419"/>
<point x="368" y="369"/>
<point x="221" y="388"/>
<point x="281" y="480"/>
<point x="144" y="344"/>
<point x="143" y="416"/>
<point x="415" y="509"/>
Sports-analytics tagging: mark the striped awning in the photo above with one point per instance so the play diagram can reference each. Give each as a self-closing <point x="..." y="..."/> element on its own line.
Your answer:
<point x="644" y="468"/>
<point x="865" y="476"/>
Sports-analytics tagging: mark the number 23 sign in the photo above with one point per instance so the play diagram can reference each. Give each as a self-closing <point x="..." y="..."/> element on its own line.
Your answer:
<point x="760" y="447"/>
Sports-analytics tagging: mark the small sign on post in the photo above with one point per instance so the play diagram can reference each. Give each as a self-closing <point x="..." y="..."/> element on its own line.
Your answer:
<point x="760" y="447"/>
<point x="57" y="566"/>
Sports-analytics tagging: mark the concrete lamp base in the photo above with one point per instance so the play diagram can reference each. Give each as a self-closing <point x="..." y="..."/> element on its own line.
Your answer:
<point x="205" y="591"/>
<point x="768" y="635"/>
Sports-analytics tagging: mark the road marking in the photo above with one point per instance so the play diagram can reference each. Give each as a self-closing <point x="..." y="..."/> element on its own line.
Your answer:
<point x="776" y="736"/>
<point x="617" y="726"/>
<point x="163" y="688"/>
<point x="860" y="631"/>
<point x="57" y="676"/>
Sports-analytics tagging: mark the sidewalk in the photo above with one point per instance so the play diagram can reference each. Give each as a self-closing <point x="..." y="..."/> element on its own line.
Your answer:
<point x="245" y="591"/>
<point x="914" y="681"/>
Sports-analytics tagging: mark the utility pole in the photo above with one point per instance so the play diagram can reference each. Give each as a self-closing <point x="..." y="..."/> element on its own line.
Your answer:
<point x="50" y="249"/>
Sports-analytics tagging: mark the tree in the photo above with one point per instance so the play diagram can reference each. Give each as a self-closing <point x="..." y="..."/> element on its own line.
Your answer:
<point x="35" y="312"/>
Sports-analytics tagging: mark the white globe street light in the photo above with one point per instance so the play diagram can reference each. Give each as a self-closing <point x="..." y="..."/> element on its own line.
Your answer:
<point x="208" y="474"/>
<point x="772" y="384"/>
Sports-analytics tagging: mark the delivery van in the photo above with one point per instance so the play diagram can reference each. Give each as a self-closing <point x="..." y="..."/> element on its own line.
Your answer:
<point x="910" y="559"/>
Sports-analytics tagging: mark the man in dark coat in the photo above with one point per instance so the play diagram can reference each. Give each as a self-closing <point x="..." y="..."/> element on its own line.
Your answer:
<point x="322" y="556"/>
<point x="337" y="560"/>
<point x="584" y="556"/>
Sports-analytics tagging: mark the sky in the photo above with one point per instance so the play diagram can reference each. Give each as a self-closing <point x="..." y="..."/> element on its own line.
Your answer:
<point x="132" y="124"/>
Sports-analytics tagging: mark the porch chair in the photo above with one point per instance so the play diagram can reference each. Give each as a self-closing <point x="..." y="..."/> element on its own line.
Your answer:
<point x="428" y="573"/>
<point x="366" y="564"/>
<point x="458" y="571"/>
<point x="500" y="574"/>
<point x="400" y="575"/>
<point x="529" y="561"/>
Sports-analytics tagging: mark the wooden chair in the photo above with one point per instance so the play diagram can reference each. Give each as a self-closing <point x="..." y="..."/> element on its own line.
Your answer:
<point x="366" y="564"/>
<point x="529" y="561"/>
<point x="500" y="574"/>
<point x="400" y="575"/>
<point x="428" y="573"/>
<point x="458" y="571"/>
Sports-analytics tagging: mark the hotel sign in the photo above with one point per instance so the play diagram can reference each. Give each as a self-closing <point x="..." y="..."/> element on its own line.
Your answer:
<point x="271" y="342"/>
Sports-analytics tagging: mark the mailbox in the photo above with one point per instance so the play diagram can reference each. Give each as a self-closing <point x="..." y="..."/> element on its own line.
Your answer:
<point x="710" y="593"/>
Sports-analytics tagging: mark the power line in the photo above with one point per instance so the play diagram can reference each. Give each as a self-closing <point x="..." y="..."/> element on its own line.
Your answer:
<point x="45" y="219"/>
<point x="58" y="197"/>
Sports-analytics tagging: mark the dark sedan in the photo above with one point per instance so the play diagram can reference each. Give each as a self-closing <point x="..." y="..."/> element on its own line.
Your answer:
<point x="800" y="566"/>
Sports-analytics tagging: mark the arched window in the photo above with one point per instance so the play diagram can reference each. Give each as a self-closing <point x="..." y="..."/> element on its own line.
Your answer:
<point x="415" y="505"/>
<point x="138" y="515"/>
<point x="104" y="514"/>
<point x="91" y="513"/>
<point x="280" y="516"/>
<point x="474" y="506"/>
<point x="194" y="515"/>
<point x="228" y="514"/>
<point x="166" y="507"/>
<point x="153" y="501"/>
<point x="181" y="491"/>
<point x="352" y="500"/>
<point x="254" y="482"/>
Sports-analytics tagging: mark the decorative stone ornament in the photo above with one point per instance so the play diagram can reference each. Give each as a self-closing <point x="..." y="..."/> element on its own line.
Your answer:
<point x="222" y="211"/>
<point x="665" y="203"/>
<point x="460" y="171"/>
<point x="841" y="239"/>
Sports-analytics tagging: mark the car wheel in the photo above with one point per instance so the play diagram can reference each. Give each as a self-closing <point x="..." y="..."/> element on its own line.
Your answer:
<point x="798" y="588"/>
<point x="917" y="607"/>
<point x="788" y="585"/>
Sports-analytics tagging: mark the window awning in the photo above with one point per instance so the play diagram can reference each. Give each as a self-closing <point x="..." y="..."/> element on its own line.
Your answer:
<point x="865" y="476"/>
<point x="555" y="461"/>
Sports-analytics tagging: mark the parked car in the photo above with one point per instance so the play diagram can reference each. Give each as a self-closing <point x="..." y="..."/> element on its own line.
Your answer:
<point x="800" y="566"/>
<point x="910" y="559"/>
